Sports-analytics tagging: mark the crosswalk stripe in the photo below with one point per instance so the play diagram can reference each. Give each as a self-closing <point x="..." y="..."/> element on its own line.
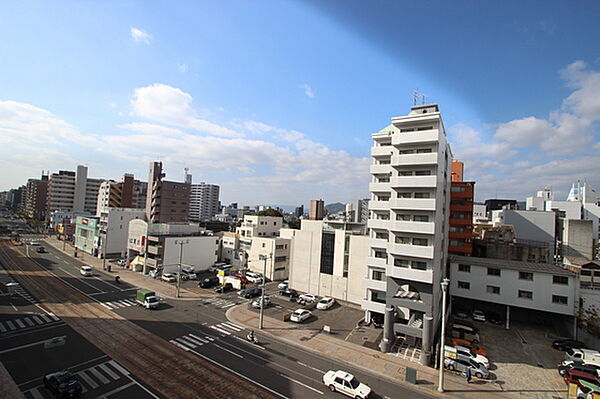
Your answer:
<point x="129" y="301"/>
<point x="28" y="321"/>
<point x="2" y="328"/>
<point x="233" y="326"/>
<point x="237" y="325"/>
<point x="99" y="375"/>
<point x="124" y="303"/>
<point x="200" y="339"/>
<point x="118" y="367"/>
<point x="194" y="341"/>
<point x="108" y="371"/>
<point x="36" y="394"/>
<point x="54" y="317"/>
<point x="220" y="330"/>
<point x="46" y="318"/>
<point x="106" y="306"/>
<point x="20" y="323"/>
<point x="93" y="384"/>
<point x="184" y="342"/>
<point x="10" y="325"/>
<point x="228" y="306"/>
<point x="185" y="348"/>
<point x="37" y="320"/>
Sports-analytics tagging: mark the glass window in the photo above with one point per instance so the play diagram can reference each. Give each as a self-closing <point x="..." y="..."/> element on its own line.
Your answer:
<point x="378" y="275"/>
<point x="377" y="296"/>
<point x="561" y="300"/>
<point x="402" y="240"/>
<point x="493" y="290"/>
<point x="418" y="265"/>
<point x="525" y="294"/>
<point x="526" y="276"/>
<point x="379" y="254"/>
<point x="421" y="195"/>
<point x="422" y="173"/>
<point x="404" y="195"/>
<point x="421" y="218"/>
<point x="422" y="242"/>
<point x="464" y="268"/>
<point x="402" y="216"/>
<point x="423" y="150"/>
<point x="493" y="271"/>
<point x="562" y="280"/>
<point x="465" y="285"/>
<point x="400" y="262"/>
<point x="405" y="173"/>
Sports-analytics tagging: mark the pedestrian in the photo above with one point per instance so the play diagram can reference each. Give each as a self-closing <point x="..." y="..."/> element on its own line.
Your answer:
<point x="468" y="374"/>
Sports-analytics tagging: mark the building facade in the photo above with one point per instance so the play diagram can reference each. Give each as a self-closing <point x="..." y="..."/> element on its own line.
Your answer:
<point x="204" y="201"/>
<point x="72" y="191"/>
<point x="113" y="225"/>
<point x="460" y="235"/>
<point x="128" y="193"/>
<point x="317" y="210"/>
<point x="410" y="198"/>
<point x="36" y="193"/>
<point x="87" y="234"/>
<point x="166" y="201"/>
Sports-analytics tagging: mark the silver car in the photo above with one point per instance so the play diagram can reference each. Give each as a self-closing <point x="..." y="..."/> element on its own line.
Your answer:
<point x="477" y="369"/>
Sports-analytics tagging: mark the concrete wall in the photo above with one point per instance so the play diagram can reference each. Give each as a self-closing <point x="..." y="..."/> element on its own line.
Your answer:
<point x="118" y="228"/>
<point x="272" y="248"/>
<point x="200" y="252"/>
<point x="530" y="225"/>
<point x="577" y="238"/>
<point x="572" y="209"/>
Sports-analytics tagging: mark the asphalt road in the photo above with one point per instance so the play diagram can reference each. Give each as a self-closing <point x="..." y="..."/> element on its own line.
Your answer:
<point x="197" y="326"/>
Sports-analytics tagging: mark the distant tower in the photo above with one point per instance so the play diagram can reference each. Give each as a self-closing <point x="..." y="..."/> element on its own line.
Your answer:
<point x="317" y="210"/>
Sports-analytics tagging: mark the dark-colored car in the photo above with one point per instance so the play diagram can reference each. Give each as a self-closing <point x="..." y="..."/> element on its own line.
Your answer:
<point x="62" y="384"/>
<point x="494" y="318"/>
<point x="224" y="288"/>
<point x="574" y="376"/>
<point x="209" y="282"/>
<point x="251" y="292"/>
<point x="587" y="368"/>
<point x="289" y="292"/>
<point x="40" y="250"/>
<point x="566" y="344"/>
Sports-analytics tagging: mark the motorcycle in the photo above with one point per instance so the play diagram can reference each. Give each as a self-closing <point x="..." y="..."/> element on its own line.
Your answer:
<point x="252" y="338"/>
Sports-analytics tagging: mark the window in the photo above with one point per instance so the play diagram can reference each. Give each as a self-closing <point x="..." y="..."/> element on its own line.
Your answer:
<point x="421" y="195"/>
<point x="457" y="216"/>
<point x="379" y="254"/>
<point x="561" y="300"/>
<point x="456" y="243"/>
<point x="383" y="198"/>
<point x="526" y="276"/>
<point x="458" y="189"/>
<point x="464" y="268"/>
<point x="423" y="150"/>
<point x="418" y="265"/>
<point x="422" y="242"/>
<point x="402" y="240"/>
<point x="405" y="152"/>
<point x="405" y="173"/>
<point x="421" y="129"/>
<point x="456" y="229"/>
<point x="377" y="296"/>
<point x="493" y="290"/>
<point x="402" y="216"/>
<point x="493" y="271"/>
<point x="563" y="280"/>
<point x="280" y="258"/>
<point x="378" y="275"/>
<point x="327" y="252"/>
<point x="525" y="294"/>
<point x="404" y="195"/>
<point x="421" y="218"/>
<point x="464" y="285"/>
<point x="422" y="173"/>
<point x="400" y="262"/>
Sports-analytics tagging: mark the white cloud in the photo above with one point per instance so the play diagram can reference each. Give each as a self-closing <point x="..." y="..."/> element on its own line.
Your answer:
<point x="172" y="106"/>
<point x="525" y="132"/>
<point x="307" y="90"/>
<point x="140" y="36"/>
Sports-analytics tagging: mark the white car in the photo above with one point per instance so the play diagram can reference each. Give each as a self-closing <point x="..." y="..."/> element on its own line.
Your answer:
<point x="189" y="274"/>
<point x="256" y="302"/>
<point x="86" y="271"/>
<point x="308" y="298"/>
<point x="468" y="353"/>
<point x="478" y="315"/>
<point x="168" y="277"/>
<point x="300" y="315"/>
<point x="283" y="285"/>
<point x="254" y="277"/>
<point x="346" y="383"/>
<point x="325" y="303"/>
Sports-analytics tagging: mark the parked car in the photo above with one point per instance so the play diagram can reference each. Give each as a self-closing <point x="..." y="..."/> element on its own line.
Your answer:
<point x="216" y="267"/>
<point x="155" y="273"/>
<point x="62" y="384"/>
<point x="460" y="322"/>
<point x="585" y="355"/>
<point x="255" y="278"/>
<point x="461" y="313"/>
<point x="469" y="354"/>
<point x="466" y="333"/>
<point x="223" y="288"/>
<point x="309" y="298"/>
<point x="289" y="292"/>
<point x="300" y="315"/>
<point x="40" y="250"/>
<point x="283" y="285"/>
<point x="257" y="301"/>
<point x="86" y="271"/>
<point x="176" y="274"/>
<point x="468" y="344"/>
<point x="494" y="318"/>
<point x="346" y="383"/>
<point x="121" y="262"/>
<point x="251" y="292"/>
<point x="168" y="277"/>
<point x="189" y="274"/>
<point x="575" y="376"/>
<point x="588" y="368"/>
<point x="566" y="344"/>
<point x="478" y="315"/>
<point x="325" y="303"/>
<point x="478" y="369"/>
<point x="209" y="282"/>
<point x="241" y="277"/>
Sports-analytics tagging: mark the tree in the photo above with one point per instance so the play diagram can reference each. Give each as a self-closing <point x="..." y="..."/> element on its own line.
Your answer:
<point x="294" y="224"/>
<point x="269" y="212"/>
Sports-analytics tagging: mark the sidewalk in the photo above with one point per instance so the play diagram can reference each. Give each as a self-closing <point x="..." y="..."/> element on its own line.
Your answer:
<point x="372" y="361"/>
<point x="162" y="289"/>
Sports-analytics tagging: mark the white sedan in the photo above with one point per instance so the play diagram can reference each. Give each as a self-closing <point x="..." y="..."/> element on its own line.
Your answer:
<point x="168" y="277"/>
<point x="308" y="298"/>
<point x="300" y="315"/>
<point x="325" y="303"/>
<point x="283" y="285"/>
<point x="346" y="383"/>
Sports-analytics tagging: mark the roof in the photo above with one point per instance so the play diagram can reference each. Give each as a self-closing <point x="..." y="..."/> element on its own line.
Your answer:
<point x="583" y="262"/>
<point x="512" y="265"/>
<point x="386" y="129"/>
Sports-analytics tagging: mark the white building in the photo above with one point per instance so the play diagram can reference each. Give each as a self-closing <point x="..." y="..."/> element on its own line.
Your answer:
<point x="479" y="214"/>
<point x="328" y="258"/>
<point x="72" y="191"/>
<point x="196" y="251"/>
<point x="528" y="225"/>
<point x="410" y="196"/>
<point x="260" y="226"/>
<point x="204" y="201"/>
<point x="537" y="287"/>
<point x="114" y="230"/>
<point x="357" y="211"/>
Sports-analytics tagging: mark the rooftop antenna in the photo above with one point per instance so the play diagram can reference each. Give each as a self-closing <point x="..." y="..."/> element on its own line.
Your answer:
<point x="416" y="95"/>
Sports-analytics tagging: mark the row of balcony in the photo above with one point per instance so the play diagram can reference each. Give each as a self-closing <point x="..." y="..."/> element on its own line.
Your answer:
<point x="403" y="226"/>
<point x="421" y="204"/>
<point x="404" y="181"/>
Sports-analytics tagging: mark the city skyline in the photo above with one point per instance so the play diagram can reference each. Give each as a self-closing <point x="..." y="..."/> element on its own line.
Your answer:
<point x="259" y="101"/>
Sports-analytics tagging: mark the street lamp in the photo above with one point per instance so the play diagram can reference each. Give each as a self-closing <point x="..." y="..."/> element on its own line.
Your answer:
<point x="181" y="243"/>
<point x="444" y="285"/>
<point x="262" y="295"/>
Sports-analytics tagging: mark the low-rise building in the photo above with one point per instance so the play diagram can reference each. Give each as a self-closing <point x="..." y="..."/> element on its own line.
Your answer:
<point x="114" y="230"/>
<point x="87" y="234"/>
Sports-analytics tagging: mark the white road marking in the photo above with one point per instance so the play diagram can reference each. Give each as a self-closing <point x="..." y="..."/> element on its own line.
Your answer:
<point x="106" y="306"/>
<point x="119" y="367"/>
<point x="10" y="325"/>
<point x="99" y="375"/>
<point x="2" y="328"/>
<point x="194" y="341"/>
<point x="79" y="279"/>
<point x="108" y="371"/>
<point x="228" y="306"/>
<point x="221" y="331"/>
<point x="37" y="319"/>
<point x="227" y="350"/>
<point x="54" y="317"/>
<point x="186" y="343"/>
<point x="28" y="321"/>
<point x="198" y="338"/>
<point x="88" y="379"/>
<point x="231" y="326"/>
<point x="119" y="389"/>
<point x="46" y="318"/>
<point x="310" y="367"/>
<point x="301" y="383"/>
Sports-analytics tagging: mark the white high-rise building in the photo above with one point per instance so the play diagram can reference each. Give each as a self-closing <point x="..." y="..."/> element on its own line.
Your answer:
<point x="70" y="191"/>
<point x="204" y="201"/>
<point x="410" y="199"/>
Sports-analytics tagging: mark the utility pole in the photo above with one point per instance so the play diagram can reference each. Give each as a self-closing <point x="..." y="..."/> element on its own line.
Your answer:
<point x="104" y="240"/>
<point x="181" y="243"/>
<point x="262" y="294"/>
<point x="444" y="285"/>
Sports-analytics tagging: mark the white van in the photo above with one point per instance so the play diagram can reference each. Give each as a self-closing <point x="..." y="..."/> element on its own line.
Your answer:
<point x="86" y="271"/>
<point x="586" y="356"/>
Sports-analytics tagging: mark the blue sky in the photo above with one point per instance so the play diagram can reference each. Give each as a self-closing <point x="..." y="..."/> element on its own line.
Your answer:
<point x="276" y="100"/>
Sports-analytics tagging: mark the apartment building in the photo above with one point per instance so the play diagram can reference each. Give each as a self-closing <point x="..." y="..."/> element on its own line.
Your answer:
<point x="36" y="193"/>
<point x="72" y="191"/>
<point x="166" y="201"/>
<point x="204" y="201"/>
<point x="317" y="210"/>
<point x="128" y="193"/>
<point x="410" y="199"/>
<point x="357" y="211"/>
<point x="460" y="233"/>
